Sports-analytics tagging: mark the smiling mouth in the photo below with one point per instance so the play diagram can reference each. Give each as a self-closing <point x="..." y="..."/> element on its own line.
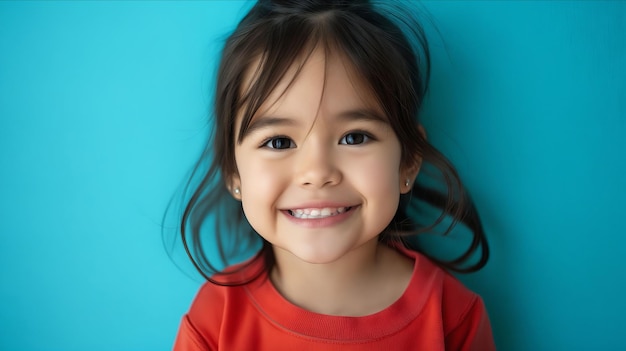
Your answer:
<point x="316" y="213"/>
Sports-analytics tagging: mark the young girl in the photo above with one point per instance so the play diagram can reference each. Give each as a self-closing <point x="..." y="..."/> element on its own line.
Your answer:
<point x="313" y="162"/>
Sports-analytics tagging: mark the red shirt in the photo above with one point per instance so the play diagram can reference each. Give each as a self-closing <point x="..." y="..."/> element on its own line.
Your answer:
<point x="436" y="312"/>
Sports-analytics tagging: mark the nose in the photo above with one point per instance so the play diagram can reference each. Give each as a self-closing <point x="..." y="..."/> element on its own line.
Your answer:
<point x="317" y="165"/>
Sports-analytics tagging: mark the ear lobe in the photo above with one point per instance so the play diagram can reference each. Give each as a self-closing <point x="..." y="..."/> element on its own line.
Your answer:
<point x="410" y="173"/>
<point x="234" y="187"/>
<point x="408" y="177"/>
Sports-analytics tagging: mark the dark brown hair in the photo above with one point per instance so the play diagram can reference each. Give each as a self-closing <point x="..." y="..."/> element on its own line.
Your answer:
<point x="387" y="48"/>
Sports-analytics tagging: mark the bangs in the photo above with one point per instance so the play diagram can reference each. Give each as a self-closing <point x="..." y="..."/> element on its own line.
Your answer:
<point x="279" y="50"/>
<point x="282" y="48"/>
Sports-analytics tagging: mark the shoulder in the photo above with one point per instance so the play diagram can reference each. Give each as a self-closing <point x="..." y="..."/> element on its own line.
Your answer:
<point x="204" y="320"/>
<point x="200" y="327"/>
<point x="453" y="294"/>
<point x="455" y="299"/>
<point x="466" y="322"/>
<point x="210" y="298"/>
<point x="464" y="318"/>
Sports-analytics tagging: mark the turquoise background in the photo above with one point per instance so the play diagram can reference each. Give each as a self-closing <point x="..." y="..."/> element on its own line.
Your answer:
<point x="102" y="112"/>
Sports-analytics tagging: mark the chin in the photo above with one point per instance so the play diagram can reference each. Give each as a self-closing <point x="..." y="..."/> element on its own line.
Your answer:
<point x="317" y="257"/>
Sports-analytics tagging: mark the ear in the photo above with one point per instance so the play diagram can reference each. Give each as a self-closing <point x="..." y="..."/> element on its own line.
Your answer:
<point x="409" y="172"/>
<point x="234" y="186"/>
<point x="408" y="175"/>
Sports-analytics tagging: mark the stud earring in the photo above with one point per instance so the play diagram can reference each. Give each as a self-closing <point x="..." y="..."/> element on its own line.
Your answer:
<point x="237" y="191"/>
<point x="407" y="183"/>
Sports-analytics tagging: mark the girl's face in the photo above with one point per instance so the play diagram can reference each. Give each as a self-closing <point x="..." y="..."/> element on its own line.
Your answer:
<point x="319" y="168"/>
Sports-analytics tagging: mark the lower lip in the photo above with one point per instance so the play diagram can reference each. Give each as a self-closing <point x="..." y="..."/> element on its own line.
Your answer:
<point x="320" y="222"/>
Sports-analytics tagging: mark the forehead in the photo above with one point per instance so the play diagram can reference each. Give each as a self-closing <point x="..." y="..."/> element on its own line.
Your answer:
<point x="318" y="80"/>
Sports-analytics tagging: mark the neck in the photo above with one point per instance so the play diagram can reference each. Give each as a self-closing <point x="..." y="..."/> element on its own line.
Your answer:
<point x="362" y="282"/>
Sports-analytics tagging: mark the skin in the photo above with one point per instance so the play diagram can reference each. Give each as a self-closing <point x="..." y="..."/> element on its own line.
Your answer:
<point x="319" y="144"/>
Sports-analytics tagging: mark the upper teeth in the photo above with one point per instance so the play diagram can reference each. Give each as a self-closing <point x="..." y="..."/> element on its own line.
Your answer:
<point x="317" y="212"/>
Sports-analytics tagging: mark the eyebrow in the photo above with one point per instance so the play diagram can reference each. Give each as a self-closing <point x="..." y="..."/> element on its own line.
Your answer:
<point x="261" y="122"/>
<point x="267" y="121"/>
<point x="367" y="115"/>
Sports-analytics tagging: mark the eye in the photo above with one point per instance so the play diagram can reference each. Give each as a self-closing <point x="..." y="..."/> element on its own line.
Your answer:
<point x="279" y="143"/>
<point x="355" y="138"/>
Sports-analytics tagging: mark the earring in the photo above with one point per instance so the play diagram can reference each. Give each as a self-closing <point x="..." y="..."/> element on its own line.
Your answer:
<point x="237" y="191"/>
<point x="407" y="182"/>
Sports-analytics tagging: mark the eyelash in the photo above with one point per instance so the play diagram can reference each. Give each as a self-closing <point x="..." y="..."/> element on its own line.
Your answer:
<point x="367" y="137"/>
<point x="269" y="142"/>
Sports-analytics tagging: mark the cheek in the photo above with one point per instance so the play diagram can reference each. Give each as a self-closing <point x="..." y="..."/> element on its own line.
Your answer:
<point x="378" y="175"/>
<point x="383" y="186"/>
<point x="259" y="191"/>
<point x="377" y="178"/>
<point x="261" y="182"/>
<point x="259" y="176"/>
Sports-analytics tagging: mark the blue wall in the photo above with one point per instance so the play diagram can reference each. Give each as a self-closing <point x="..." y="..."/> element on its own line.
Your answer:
<point x="102" y="108"/>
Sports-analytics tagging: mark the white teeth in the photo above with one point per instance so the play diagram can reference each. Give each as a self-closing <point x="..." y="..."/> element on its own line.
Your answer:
<point x="308" y="213"/>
